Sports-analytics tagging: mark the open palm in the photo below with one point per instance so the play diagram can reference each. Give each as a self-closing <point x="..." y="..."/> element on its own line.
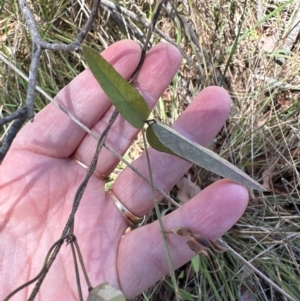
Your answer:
<point x="39" y="179"/>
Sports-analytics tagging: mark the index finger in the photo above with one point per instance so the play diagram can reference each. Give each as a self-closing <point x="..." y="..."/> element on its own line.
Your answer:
<point x="53" y="133"/>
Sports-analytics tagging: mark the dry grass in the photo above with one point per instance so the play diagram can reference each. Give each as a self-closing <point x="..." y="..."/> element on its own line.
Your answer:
<point x="261" y="135"/>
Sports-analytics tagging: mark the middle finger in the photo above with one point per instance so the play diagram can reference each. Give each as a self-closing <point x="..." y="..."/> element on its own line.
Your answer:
<point x="160" y="66"/>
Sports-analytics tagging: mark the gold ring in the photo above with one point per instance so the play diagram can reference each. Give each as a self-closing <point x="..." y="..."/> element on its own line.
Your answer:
<point x="131" y="219"/>
<point x="96" y="173"/>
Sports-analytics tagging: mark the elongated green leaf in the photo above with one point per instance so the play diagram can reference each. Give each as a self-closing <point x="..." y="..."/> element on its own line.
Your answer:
<point x="163" y="138"/>
<point x="130" y="104"/>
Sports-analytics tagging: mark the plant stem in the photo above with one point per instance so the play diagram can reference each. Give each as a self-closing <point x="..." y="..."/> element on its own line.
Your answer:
<point x="162" y="229"/>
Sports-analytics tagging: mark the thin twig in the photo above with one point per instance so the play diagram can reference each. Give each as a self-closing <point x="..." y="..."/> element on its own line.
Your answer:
<point x="15" y="115"/>
<point x="161" y="224"/>
<point x="90" y="172"/>
<point x="14" y="129"/>
<point x="76" y="271"/>
<point x="34" y="65"/>
<point x="87" y="279"/>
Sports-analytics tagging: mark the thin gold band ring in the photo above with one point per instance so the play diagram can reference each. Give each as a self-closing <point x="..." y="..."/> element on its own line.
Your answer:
<point x="99" y="175"/>
<point x="131" y="219"/>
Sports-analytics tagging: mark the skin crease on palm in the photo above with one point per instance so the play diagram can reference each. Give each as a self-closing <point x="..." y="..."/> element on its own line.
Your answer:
<point x="38" y="181"/>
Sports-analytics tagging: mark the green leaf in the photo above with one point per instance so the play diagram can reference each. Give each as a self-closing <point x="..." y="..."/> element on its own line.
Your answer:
<point x="130" y="104"/>
<point x="196" y="263"/>
<point x="163" y="138"/>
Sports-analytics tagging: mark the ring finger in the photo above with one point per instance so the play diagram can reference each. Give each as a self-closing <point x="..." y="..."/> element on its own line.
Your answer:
<point x="200" y="122"/>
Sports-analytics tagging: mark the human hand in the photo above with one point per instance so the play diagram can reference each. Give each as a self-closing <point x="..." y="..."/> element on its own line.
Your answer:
<point x="39" y="179"/>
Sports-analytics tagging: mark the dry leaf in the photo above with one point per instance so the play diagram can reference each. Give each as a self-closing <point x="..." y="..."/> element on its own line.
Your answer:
<point x="197" y="248"/>
<point x="197" y="243"/>
<point x="186" y="189"/>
